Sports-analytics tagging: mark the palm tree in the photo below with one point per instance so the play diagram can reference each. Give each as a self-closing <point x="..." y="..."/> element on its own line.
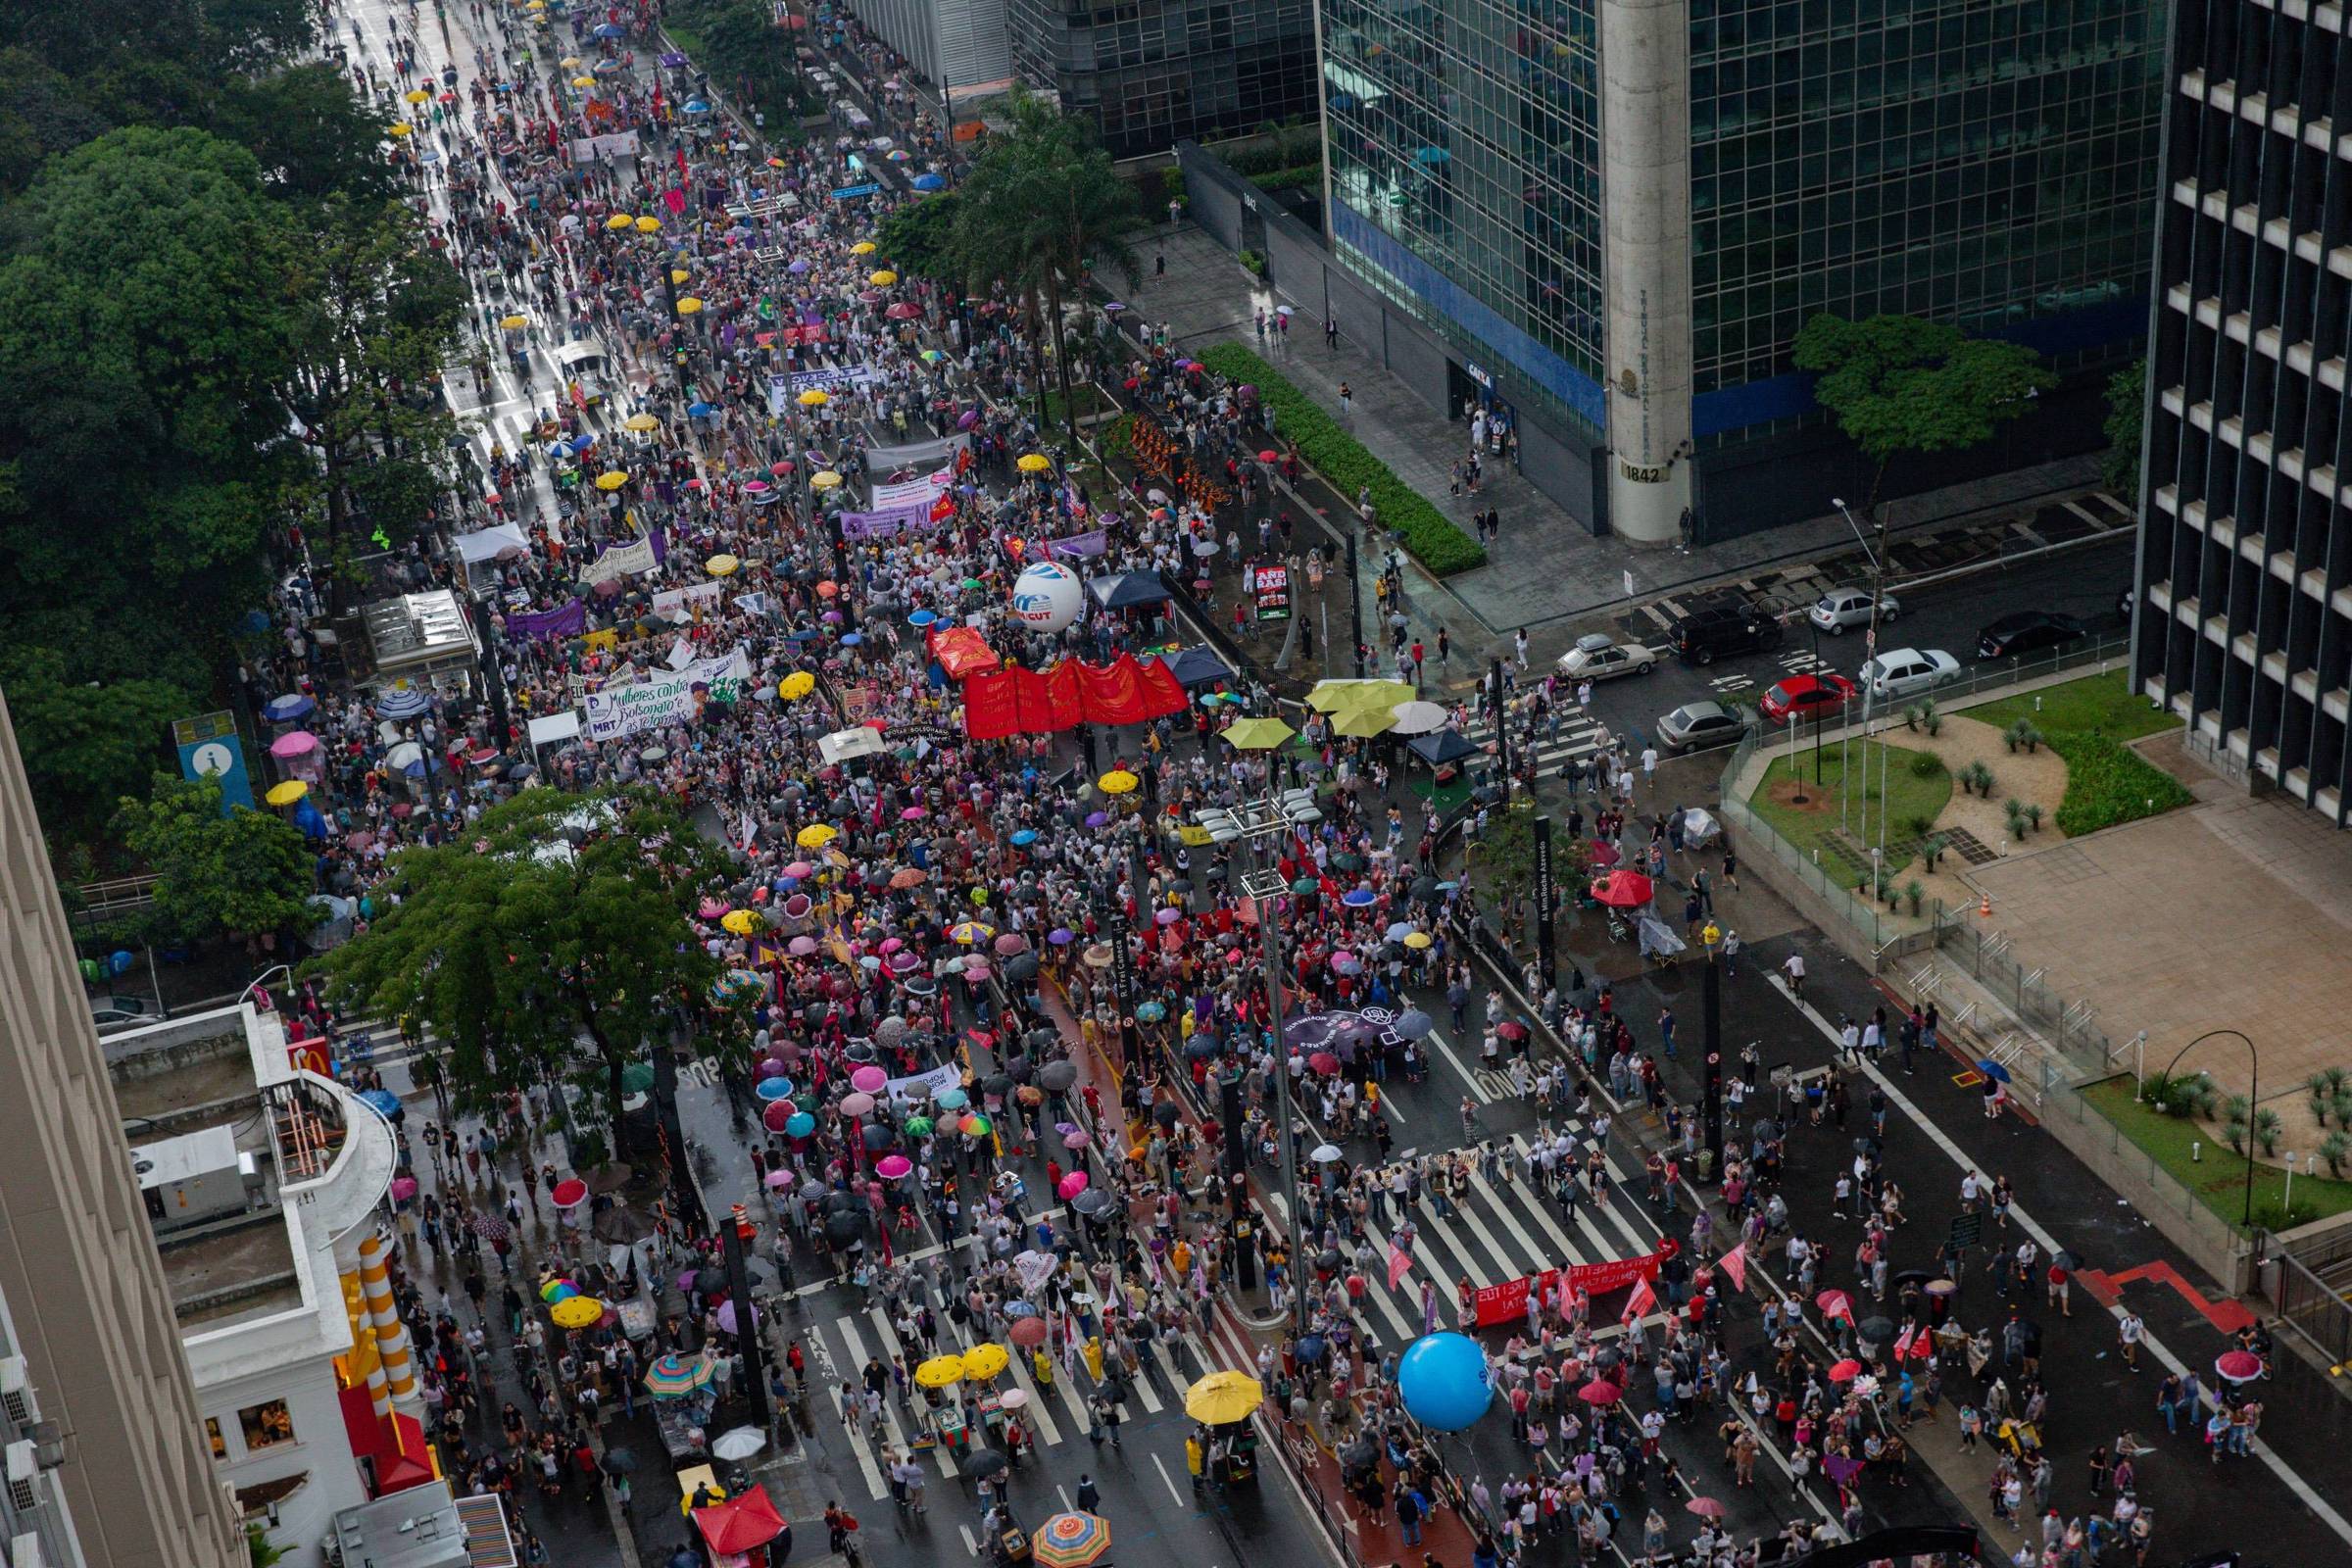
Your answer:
<point x="1040" y="204"/>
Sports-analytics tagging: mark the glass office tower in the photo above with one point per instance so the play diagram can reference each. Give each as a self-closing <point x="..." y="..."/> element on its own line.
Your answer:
<point x="1152" y="73"/>
<point x="1631" y="208"/>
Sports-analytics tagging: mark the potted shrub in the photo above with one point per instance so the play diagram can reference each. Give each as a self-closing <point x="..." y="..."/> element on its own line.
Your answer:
<point x="1912" y="893"/>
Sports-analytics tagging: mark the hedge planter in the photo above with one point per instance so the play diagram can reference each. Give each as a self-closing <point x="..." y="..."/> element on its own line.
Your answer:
<point x="1428" y="534"/>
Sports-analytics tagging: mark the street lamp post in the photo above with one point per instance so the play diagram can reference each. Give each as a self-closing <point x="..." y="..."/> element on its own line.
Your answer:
<point x="2253" y="1098"/>
<point x="1259" y="820"/>
<point x="1711" y="1016"/>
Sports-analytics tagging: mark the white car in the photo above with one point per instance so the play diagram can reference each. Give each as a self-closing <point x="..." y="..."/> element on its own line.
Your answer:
<point x="1841" y="607"/>
<point x="1901" y="672"/>
<point x="1597" y="655"/>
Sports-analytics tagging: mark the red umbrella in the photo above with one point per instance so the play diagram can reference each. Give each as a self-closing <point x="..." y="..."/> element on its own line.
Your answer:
<point x="569" y="1192"/>
<point x="1704" y="1507"/>
<point x="1027" y="1332"/>
<point x="2238" y="1366"/>
<point x="1598" y="1392"/>
<point x="903" y="310"/>
<point x="740" y="1523"/>
<point x="1268" y="457"/>
<point x="1844" y="1371"/>
<point x="1624" y="890"/>
<point x="1604" y="853"/>
<point x="1323" y="1061"/>
<point x="1510" y="1029"/>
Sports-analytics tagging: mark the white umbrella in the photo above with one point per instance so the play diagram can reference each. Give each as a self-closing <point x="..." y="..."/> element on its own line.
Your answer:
<point x="739" y="1444"/>
<point x="1418" y="718"/>
<point x="1324" y="1153"/>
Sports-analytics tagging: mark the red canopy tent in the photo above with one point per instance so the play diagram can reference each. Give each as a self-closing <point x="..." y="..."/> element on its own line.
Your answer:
<point x="962" y="652"/>
<point x="740" y="1524"/>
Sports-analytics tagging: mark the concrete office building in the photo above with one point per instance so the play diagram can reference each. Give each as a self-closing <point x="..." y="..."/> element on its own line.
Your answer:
<point x="1616" y="215"/>
<point x="2244" y="625"/>
<point x="1154" y="73"/>
<point x="105" y="1462"/>
<point x="951" y="45"/>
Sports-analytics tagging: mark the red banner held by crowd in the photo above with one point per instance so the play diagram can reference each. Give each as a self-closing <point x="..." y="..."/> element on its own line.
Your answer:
<point x="1507" y="1301"/>
<point x="1021" y="702"/>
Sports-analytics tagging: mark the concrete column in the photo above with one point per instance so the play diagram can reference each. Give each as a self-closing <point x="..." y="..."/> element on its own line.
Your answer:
<point x="1645" y="249"/>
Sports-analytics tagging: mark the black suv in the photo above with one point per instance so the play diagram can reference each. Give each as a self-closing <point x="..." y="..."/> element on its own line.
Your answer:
<point x="1734" y="626"/>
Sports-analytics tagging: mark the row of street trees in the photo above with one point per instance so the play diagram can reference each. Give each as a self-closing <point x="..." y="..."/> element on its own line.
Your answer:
<point x="220" y="325"/>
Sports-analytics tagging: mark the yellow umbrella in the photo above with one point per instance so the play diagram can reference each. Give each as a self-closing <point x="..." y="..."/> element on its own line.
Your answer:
<point x="815" y="836"/>
<point x="814" y="398"/>
<point x="514" y="324"/>
<point x="722" y="566"/>
<point x="1119" y="781"/>
<point x="399" y="128"/>
<point x="610" y="479"/>
<point x="618" y="221"/>
<point x="577" y="1313"/>
<point x="584" y="83"/>
<point x="649" y="225"/>
<point x="689" y="305"/>
<point x="797" y="685"/>
<point x="418" y="96"/>
<point x="1330" y="696"/>
<point x="824" y="479"/>
<point x="1257" y="734"/>
<point x="1223" y="1396"/>
<point x="883" y="278"/>
<point x="641" y="422"/>
<point x="742" y="922"/>
<point x="864" y="247"/>
<point x="679" y="275"/>
<point x="984" y="1362"/>
<point x="287" y="791"/>
<point x="1364" y="723"/>
<point x="570" y="61"/>
<point x="940" y="1372"/>
<point x="1416" y="939"/>
<point x="1033" y="463"/>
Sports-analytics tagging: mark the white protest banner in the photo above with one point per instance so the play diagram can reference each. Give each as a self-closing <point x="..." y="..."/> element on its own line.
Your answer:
<point x="611" y="144"/>
<point x="637" y="556"/>
<point x="915" y="455"/>
<point x="937" y="1079"/>
<point x="676" y="604"/>
<point x="910" y="492"/>
<point x="619" y="711"/>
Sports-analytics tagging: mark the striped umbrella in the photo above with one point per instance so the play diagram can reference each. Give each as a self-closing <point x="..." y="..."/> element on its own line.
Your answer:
<point x="1071" y="1541"/>
<point x="674" y="1376"/>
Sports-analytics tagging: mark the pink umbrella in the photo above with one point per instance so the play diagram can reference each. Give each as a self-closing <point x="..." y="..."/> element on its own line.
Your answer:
<point x="890" y="1167"/>
<point x="799" y="869"/>
<point x="1012" y="942"/>
<point x="868" y="1080"/>
<point x="1598" y="1392"/>
<point x="1072" y="1185"/>
<point x="711" y="908"/>
<point x="891" y="945"/>
<point x="801" y="947"/>
<point x="778" y="1179"/>
<point x="857" y="1104"/>
<point x="1077" y="1140"/>
<point x="404" y="1188"/>
<point x="294" y="743"/>
<point x="976" y="970"/>
<point x="904" y="961"/>
<point x="913" y="813"/>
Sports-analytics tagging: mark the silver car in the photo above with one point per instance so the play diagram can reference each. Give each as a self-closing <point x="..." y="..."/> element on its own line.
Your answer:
<point x="1695" y="724"/>
<point x="1841" y="607"/>
<point x="1597" y="655"/>
<point x="1903" y="672"/>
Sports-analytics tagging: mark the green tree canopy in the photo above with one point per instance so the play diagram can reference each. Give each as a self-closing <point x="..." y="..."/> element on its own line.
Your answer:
<point x="920" y="238"/>
<point x="559" y="919"/>
<point x="85" y="745"/>
<point x="2127" y="412"/>
<point x="243" y="873"/>
<point x="1901" y="383"/>
<point x="1041" y="204"/>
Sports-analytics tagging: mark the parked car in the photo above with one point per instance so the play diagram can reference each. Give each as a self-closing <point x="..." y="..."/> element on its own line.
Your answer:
<point x="119" y="1012"/>
<point x="1901" y="672"/>
<point x="1841" y="607"/>
<point x="1806" y="697"/>
<point x="1597" y="655"/>
<point x="1735" y="627"/>
<point x="2028" y="631"/>
<point x="1695" y="724"/>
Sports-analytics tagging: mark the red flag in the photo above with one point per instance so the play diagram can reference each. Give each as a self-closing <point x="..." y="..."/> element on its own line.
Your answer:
<point x="1400" y="1264"/>
<point x="1639" y="1302"/>
<point x="679" y="155"/>
<point x="1923" y="1345"/>
<point x="1734" y="1264"/>
<point x="1903" y="1342"/>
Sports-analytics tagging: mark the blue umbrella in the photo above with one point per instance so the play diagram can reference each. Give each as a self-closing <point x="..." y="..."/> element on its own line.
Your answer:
<point x="1994" y="1070"/>
<point x="1414" y="1024"/>
<point x="951" y="1100"/>
<point x="381" y="1099"/>
<point x="402" y="705"/>
<point x="1152" y="1013"/>
<point x="929" y="182"/>
<point x="1024" y="838"/>
<point x="800" y="1124"/>
<point x="851" y="638"/>
<point x="921" y="618"/>
<point x="1359" y="897"/>
<point x="701" y="411"/>
<point x="773" y="1088"/>
<point x="287" y="708"/>
<point x="1020" y="1310"/>
<point x="612" y="29"/>
<point x="695" y="106"/>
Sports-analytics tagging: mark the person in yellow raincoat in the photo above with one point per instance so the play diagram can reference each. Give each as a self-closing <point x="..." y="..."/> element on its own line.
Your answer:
<point x="1043" y="1364"/>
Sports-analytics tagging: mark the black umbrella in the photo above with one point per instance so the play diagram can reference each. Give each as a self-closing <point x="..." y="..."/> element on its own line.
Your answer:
<point x="1425" y="887"/>
<point x="981" y="1463"/>
<point x="1020" y="1069"/>
<point x="997" y="1082"/>
<point x="1091" y="1203"/>
<point x="876" y="1135"/>
<point x="1058" y="1076"/>
<point x="1165" y="1113"/>
<point x="1040" y="1039"/>
<point x="1328" y="1258"/>
<point x="841" y="1228"/>
<point x="1180" y="884"/>
<point x="1200" y="1046"/>
<point x="860" y="1051"/>
<point x="1021" y="966"/>
<point x="842" y="1203"/>
<point x="1877" y="1330"/>
<point x="619" y="1461"/>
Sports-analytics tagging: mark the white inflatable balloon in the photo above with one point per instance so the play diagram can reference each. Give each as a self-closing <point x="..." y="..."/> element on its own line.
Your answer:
<point x="1046" y="597"/>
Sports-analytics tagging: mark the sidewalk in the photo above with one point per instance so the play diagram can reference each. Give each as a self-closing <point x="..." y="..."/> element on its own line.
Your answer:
<point x="1546" y="566"/>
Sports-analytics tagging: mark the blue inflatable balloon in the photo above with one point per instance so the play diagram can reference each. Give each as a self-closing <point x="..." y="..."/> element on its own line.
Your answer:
<point x="1442" y="1378"/>
<point x="120" y="961"/>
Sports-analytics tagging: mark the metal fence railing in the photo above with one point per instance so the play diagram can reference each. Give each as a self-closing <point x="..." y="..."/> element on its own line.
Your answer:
<point x="2310" y="1305"/>
<point x="2189" y="1217"/>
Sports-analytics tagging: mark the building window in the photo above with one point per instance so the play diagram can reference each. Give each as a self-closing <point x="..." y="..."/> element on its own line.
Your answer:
<point x="212" y="1435"/>
<point x="265" y="1424"/>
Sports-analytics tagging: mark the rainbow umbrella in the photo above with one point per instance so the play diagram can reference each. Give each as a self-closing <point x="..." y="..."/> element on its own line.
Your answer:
<point x="1071" y="1541"/>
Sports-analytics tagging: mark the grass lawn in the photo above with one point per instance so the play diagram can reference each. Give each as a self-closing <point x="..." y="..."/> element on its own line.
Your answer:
<point x="1814" y="824"/>
<point x="2219" y="1178"/>
<point x="2100" y="702"/>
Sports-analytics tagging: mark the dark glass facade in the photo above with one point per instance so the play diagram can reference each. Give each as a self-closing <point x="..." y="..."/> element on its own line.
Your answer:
<point x="1989" y="164"/>
<point x="2243" y="622"/>
<point x="1982" y="164"/>
<point x="1152" y="73"/>
<point x="1464" y="137"/>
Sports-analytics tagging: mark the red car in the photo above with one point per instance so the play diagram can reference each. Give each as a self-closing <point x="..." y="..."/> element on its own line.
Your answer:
<point x="1806" y="697"/>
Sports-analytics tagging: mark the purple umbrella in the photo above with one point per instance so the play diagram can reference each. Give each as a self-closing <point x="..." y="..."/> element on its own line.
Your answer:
<point x="1841" y="1469"/>
<point x="967" y="418"/>
<point x="727" y="1318"/>
<point x="674" y="59"/>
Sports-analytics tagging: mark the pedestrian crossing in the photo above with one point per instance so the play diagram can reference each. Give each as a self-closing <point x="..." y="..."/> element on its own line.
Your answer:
<point x="1575" y="737"/>
<point x="1796" y="661"/>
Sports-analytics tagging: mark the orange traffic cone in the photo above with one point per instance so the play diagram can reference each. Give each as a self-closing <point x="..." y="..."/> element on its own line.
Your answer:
<point x="1985" y="906"/>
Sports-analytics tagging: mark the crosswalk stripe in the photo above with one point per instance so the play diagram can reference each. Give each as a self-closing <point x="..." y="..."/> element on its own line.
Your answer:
<point x="851" y="1424"/>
